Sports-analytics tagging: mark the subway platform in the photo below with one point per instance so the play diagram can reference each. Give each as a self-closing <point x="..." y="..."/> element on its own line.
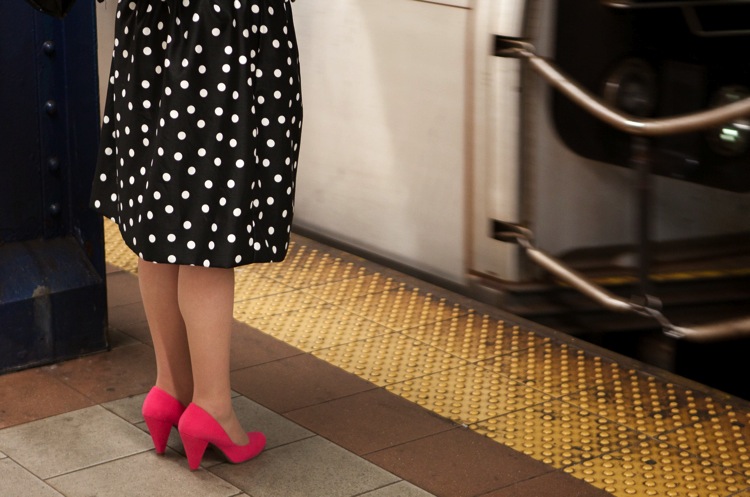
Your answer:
<point x="371" y="383"/>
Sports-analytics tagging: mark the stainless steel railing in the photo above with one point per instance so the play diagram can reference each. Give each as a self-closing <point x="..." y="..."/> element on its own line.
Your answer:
<point x="515" y="48"/>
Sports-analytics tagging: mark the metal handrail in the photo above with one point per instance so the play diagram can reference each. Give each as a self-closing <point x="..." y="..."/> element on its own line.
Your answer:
<point x="517" y="48"/>
<point x="633" y="125"/>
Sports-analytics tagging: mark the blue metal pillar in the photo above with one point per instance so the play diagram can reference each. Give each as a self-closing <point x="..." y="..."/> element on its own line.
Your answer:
<point x="53" y="303"/>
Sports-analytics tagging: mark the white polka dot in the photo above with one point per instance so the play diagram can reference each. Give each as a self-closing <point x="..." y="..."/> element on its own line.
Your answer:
<point x="169" y="209"/>
<point x="237" y="212"/>
<point x="209" y="184"/>
<point x="171" y="237"/>
<point x="231" y="238"/>
<point x="187" y="225"/>
<point x="191" y="244"/>
<point x="172" y="259"/>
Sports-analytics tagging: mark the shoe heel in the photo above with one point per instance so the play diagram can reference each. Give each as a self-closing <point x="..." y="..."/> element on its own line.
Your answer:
<point x="194" y="449"/>
<point x="159" y="431"/>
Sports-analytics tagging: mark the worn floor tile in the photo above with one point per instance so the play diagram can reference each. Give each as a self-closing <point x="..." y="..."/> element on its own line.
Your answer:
<point x="251" y="347"/>
<point x="143" y="475"/>
<point x="370" y="421"/>
<point x="117" y="338"/>
<point x="122" y="315"/>
<point x="128" y="408"/>
<point x="30" y="395"/>
<point x="278" y="429"/>
<point x="137" y="329"/>
<point x="400" y="489"/>
<point x="72" y="441"/>
<point x="555" y="484"/>
<point x="312" y="467"/>
<point x="110" y="375"/>
<point x="296" y="382"/>
<point x="122" y="289"/>
<point x="17" y="482"/>
<point x="473" y="464"/>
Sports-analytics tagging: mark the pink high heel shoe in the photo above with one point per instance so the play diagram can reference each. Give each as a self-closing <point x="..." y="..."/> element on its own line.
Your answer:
<point x="161" y="412"/>
<point x="198" y="429"/>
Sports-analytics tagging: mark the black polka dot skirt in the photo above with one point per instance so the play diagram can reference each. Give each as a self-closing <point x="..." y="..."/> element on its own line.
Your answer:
<point x="201" y="131"/>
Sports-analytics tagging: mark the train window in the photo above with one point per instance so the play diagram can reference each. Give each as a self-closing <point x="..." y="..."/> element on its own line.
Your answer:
<point x="652" y="62"/>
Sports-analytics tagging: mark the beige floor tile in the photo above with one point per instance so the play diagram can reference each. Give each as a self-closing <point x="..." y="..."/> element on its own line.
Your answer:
<point x="143" y="475"/>
<point x="18" y="482"/>
<point x="128" y="408"/>
<point x="312" y="467"/>
<point x="72" y="441"/>
<point x="278" y="430"/>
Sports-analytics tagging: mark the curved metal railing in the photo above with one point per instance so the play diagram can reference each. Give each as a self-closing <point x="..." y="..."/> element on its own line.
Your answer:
<point x="515" y="48"/>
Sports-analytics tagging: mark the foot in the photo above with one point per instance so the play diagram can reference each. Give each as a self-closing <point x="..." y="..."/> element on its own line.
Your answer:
<point x="234" y="429"/>
<point x="227" y="419"/>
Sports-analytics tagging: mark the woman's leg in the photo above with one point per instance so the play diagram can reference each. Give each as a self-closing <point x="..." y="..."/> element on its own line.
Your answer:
<point x="206" y="298"/>
<point x="158" y="284"/>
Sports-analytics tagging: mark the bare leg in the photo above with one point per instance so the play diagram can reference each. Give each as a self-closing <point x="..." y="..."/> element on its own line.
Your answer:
<point x="206" y="297"/>
<point x="158" y="284"/>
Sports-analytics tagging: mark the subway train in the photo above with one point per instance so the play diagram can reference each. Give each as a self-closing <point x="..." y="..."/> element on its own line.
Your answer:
<point x="584" y="164"/>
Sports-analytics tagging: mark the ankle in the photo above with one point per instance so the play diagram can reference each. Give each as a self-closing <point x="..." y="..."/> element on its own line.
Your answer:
<point x="221" y="411"/>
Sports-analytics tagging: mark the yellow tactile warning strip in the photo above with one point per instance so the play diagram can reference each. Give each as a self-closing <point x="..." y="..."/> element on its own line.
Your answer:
<point x="620" y="429"/>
